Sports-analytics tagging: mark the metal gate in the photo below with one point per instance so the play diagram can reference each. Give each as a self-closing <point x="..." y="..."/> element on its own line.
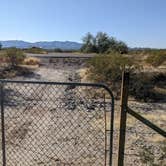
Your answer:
<point x="56" y="124"/>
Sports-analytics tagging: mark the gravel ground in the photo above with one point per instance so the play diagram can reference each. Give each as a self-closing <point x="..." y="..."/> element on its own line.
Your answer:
<point x="36" y="137"/>
<point x="54" y="125"/>
<point x="140" y="137"/>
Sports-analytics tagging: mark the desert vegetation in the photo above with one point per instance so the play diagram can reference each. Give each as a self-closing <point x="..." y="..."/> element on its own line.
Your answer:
<point x="31" y="61"/>
<point x="156" y="59"/>
<point x="102" y="43"/>
<point x="14" y="56"/>
<point x="144" y="85"/>
<point x="35" y="50"/>
<point x="13" y="62"/>
<point x="153" y="57"/>
<point x="147" y="80"/>
<point x="147" y="87"/>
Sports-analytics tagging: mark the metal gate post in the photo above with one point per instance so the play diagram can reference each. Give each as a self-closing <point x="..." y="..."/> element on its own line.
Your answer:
<point x="123" y="117"/>
<point x="2" y="124"/>
<point x="112" y="131"/>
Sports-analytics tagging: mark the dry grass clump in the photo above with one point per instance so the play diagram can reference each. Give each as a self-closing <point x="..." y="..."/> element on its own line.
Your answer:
<point x="156" y="59"/>
<point x="31" y="61"/>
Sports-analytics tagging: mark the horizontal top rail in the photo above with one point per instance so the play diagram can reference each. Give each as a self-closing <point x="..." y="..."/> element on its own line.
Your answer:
<point x="99" y="85"/>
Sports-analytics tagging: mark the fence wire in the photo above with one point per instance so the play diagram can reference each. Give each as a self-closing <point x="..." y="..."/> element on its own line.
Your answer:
<point x="55" y="124"/>
<point x="144" y="146"/>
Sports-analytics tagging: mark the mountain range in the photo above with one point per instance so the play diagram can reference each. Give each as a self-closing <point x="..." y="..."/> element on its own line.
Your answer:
<point x="66" y="45"/>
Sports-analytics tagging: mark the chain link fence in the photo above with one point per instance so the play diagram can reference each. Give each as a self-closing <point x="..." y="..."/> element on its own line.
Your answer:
<point x="56" y="124"/>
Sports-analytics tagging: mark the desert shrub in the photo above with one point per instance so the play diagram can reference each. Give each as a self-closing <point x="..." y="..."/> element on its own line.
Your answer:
<point x="160" y="79"/>
<point x="156" y="59"/>
<point x="146" y="51"/>
<point x="117" y="46"/>
<point x="57" y="50"/>
<point x="31" y="61"/>
<point x="143" y="84"/>
<point x="14" y="56"/>
<point x="108" y="68"/>
<point x="8" y="72"/>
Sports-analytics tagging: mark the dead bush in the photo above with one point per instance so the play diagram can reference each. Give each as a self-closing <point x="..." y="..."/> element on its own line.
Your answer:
<point x="31" y="61"/>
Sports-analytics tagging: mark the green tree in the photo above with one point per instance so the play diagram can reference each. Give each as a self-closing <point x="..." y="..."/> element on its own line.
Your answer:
<point x="122" y="47"/>
<point x="117" y="46"/>
<point x="89" y="43"/>
<point x="102" y="42"/>
<point x="15" y="56"/>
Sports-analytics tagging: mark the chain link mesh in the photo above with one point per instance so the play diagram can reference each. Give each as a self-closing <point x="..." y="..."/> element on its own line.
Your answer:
<point x="56" y="125"/>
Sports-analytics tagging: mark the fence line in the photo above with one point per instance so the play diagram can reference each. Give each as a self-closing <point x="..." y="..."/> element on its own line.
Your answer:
<point x="146" y="122"/>
<point x="123" y="118"/>
<point x="56" y="123"/>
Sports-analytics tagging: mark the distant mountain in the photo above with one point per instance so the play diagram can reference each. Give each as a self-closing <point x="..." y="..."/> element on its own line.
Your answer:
<point x="66" y="45"/>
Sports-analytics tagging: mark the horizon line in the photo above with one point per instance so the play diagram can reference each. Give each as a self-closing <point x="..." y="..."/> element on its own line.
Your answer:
<point x="32" y="42"/>
<point x="40" y="41"/>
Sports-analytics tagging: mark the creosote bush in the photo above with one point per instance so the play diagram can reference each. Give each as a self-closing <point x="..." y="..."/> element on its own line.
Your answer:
<point x="14" y="56"/>
<point x="156" y="59"/>
<point x="143" y="85"/>
<point x="108" y="69"/>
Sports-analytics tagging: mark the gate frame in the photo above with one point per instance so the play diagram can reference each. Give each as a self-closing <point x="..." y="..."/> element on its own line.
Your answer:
<point x="97" y="85"/>
<point x="124" y="110"/>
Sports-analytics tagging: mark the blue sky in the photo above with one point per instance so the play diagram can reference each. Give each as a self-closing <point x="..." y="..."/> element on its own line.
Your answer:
<point x="140" y="23"/>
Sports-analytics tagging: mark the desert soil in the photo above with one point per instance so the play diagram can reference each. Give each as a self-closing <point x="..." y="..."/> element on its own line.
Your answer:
<point x="61" y="125"/>
<point x="54" y="125"/>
